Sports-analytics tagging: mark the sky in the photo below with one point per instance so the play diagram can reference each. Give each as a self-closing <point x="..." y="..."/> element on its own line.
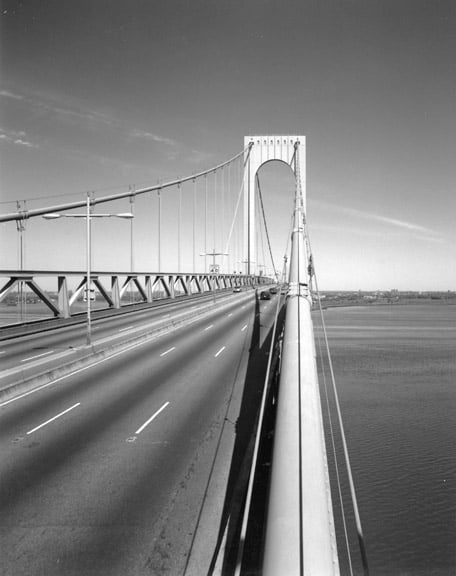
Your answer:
<point x="110" y="94"/>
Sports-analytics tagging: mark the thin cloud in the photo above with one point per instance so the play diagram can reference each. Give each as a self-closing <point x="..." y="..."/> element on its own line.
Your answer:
<point x="11" y="95"/>
<point x="18" y="138"/>
<point x="53" y="106"/>
<point x="387" y="220"/>
<point x="372" y="233"/>
<point x="59" y="107"/>
<point x="153" y="137"/>
<point x="394" y="222"/>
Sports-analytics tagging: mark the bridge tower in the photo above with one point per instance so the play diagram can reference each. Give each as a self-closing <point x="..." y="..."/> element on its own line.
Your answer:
<point x="259" y="150"/>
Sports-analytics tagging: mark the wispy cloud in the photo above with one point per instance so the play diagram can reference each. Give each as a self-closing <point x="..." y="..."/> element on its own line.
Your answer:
<point x="10" y="95"/>
<point x="65" y="108"/>
<point x="423" y="231"/>
<point x="18" y="138"/>
<point x="387" y="220"/>
<point x="56" y="106"/>
<point x="142" y="134"/>
<point x="61" y="111"/>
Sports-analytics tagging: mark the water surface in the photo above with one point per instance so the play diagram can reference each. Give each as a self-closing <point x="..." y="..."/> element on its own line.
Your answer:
<point x="395" y="368"/>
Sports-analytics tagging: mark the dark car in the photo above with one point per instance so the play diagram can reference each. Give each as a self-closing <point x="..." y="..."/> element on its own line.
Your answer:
<point x="265" y="295"/>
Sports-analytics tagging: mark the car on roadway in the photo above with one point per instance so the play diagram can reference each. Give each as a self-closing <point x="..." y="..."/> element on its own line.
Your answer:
<point x="273" y="290"/>
<point x="265" y="295"/>
<point x="237" y="289"/>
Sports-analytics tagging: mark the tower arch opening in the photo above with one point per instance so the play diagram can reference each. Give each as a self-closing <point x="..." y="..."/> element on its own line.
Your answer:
<point x="275" y="186"/>
<point x="260" y="151"/>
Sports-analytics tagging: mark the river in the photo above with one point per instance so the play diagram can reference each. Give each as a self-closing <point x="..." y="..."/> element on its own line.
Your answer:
<point x="395" y="370"/>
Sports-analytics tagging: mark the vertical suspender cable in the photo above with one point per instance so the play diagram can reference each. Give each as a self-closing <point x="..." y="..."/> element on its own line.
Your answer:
<point x="132" y="255"/>
<point x="215" y="212"/>
<point x="205" y="223"/>
<point x="222" y="202"/>
<point x="89" y="268"/>
<point x="179" y="224"/>
<point x="229" y="259"/>
<point x="194" y="225"/>
<point x="159" y="231"/>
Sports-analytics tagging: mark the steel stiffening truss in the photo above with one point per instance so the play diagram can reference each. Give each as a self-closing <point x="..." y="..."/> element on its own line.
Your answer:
<point x="113" y="287"/>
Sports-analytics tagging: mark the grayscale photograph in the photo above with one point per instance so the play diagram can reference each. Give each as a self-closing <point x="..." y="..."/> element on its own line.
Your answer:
<point x="227" y="288"/>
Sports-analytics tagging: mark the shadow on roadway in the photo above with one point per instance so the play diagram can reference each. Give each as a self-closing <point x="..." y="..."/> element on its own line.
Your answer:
<point x="246" y="426"/>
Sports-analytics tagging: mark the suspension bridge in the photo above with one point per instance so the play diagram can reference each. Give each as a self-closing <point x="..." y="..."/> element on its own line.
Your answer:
<point x="142" y="385"/>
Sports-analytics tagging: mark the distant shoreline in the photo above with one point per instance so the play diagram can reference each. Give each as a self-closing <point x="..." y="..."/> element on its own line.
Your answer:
<point x="344" y="302"/>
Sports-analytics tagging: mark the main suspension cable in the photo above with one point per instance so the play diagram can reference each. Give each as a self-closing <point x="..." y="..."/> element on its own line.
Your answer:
<point x="25" y="214"/>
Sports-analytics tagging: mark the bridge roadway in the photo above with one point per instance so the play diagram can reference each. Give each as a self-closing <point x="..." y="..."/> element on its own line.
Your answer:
<point x="105" y="471"/>
<point x="58" y="336"/>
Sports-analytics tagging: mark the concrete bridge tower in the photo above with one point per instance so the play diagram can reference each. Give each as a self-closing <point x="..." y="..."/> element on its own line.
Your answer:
<point x="262" y="149"/>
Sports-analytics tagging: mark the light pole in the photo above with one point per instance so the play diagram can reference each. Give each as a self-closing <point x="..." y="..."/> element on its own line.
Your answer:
<point x="88" y="216"/>
<point x="20" y="226"/>
<point x="214" y="269"/>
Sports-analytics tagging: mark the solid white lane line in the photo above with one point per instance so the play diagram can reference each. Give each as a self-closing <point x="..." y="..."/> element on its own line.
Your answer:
<point x="207" y="327"/>
<point x="243" y="328"/>
<point x="147" y="422"/>
<point x="168" y="351"/>
<point x="2" y="351"/>
<point x="37" y="356"/>
<point x="220" y="351"/>
<point x="230" y="314"/>
<point x="127" y="328"/>
<point x="52" y="419"/>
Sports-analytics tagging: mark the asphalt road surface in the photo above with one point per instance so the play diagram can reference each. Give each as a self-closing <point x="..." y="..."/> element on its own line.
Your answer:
<point x="23" y="350"/>
<point x="104" y="471"/>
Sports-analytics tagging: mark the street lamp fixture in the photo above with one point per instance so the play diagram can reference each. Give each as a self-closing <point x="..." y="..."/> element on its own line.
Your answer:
<point x="88" y="216"/>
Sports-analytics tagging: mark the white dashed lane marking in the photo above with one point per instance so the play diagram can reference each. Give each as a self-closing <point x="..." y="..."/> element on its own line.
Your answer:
<point x="220" y="351"/>
<point x="53" y="418"/>
<point x="167" y="351"/>
<point x="37" y="356"/>
<point x="147" y="422"/>
<point x="126" y="328"/>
